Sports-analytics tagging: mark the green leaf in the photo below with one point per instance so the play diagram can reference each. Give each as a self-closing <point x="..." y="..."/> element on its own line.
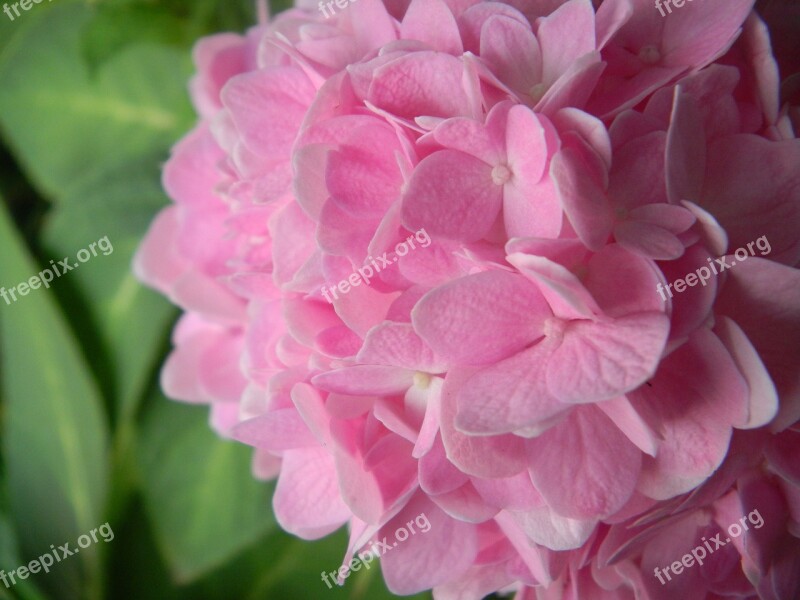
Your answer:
<point x="94" y="142"/>
<point x="55" y="435"/>
<point x="136" y="570"/>
<point x="66" y="125"/>
<point x="115" y="27"/>
<point x="295" y="571"/>
<point x="10" y="560"/>
<point x="199" y="491"/>
<point x="133" y="321"/>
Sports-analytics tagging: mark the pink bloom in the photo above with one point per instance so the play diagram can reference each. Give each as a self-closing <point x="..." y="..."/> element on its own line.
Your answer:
<point x="560" y="379"/>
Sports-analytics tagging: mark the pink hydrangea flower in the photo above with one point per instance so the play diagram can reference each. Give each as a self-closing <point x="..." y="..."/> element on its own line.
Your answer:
<point x="586" y="364"/>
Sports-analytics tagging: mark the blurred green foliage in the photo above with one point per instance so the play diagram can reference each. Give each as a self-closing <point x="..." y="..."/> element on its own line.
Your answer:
<point x="92" y="96"/>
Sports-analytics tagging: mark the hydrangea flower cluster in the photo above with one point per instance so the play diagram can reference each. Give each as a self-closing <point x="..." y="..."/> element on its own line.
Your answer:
<point x="580" y="356"/>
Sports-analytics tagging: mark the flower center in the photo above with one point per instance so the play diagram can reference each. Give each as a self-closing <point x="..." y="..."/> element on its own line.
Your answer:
<point x="537" y="92"/>
<point x="501" y="174"/>
<point x="422" y="380"/>
<point x="649" y="55"/>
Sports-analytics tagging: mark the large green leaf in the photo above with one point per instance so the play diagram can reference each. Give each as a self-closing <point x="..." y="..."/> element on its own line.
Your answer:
<point x="292" y="568"/>
<point x="279" y="565"/>
<point x="199" y="491"/>
<point x="136" y="570"/>
<point x="55" y="435"/>
<point x="93" y="140"/>
<point x="67" y="124"/>
<point x="133" y="321"/>
<point x="9" y="560"/>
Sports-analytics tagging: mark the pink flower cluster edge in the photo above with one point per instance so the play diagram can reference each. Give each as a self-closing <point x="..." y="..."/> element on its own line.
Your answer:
<point x="565" y="427"/>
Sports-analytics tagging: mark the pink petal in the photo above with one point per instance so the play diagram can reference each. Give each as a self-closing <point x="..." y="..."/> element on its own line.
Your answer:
<point x="465" y="504"/>
<point x="630" y="422"/>
<point x="547" y="528"/>
<point x="452" y="194"/>
<point x="420" y="84"/>
<point x="526" y="144"/>
<point x="696" y="420"/>
<point x="363" y="178"/>
<point x="427" y="558"/>
<point x="491" y="457"/>
<point x="397" y="344"/>
<point x="363" y="307"/>
<point x="190" y="175"/>
<point x="763" y="405"/>
<point x="648" y="240"/>
<point x="341" y="233"/>
<point x="512" y="51"/>
<point x="179" y="375"/>
<point x="195" y="292"/>
<point x="637" y="174"/>
<point x="613" y="269"/>
<point x="565" y="35"/>
<point x="365" y="380"/>
<point x="307" y="501"/>
<point x="220" y="371"/>
<point x="752" y="188"/>
<point x="699" y="32"/>
<point x="293" y="242"/>
<point x="598" y="361"/>
<point x="610" y="17"/>
<point x="574" y="87"/>
<point x="432" y="22"/>
<point x="532" y="210"/>
<point x="675" y="219"/>
<point x="509" y="395"/>
<point x="429" y="429"/>
<point x="278" y="430"/>
<point x="584" y="200"/>
<point x="471" y="137"/>
<point x="534" y="558"/>
<point x="585" y="468"/>
<point x="267" y="108"/>
<point x="763" y="298"/>
<point x="474" y="18"/>
<point x="157" y="262"/>
<point x="590" y="128"/>
<point x="480" y="318"/>
<point x="511" y="493"/>
<point x="564" y="291"/>
<point x="691" y="307"/>
<point x="686" y="150"/>
<point x="437" y="475"/>
<point x="338" y="341"/>
<point x="713" y="236"/>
